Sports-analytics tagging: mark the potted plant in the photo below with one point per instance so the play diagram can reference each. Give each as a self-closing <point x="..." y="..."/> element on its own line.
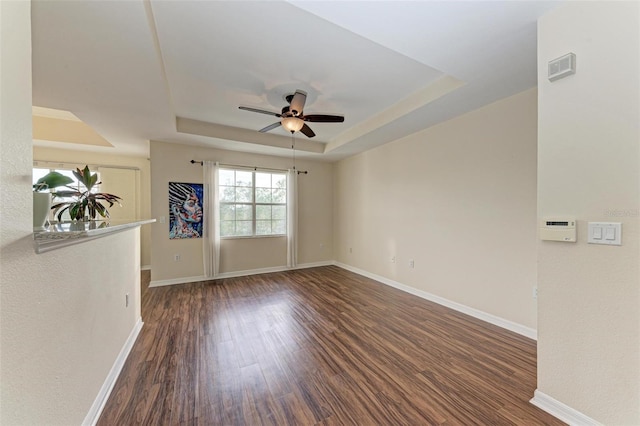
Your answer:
<point x="42" y="196"/>
<point x="85" y="204"/>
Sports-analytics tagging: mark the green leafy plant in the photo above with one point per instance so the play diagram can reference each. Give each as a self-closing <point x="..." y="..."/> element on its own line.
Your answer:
<point x="50" y="181"/>
<point x="84" y="201"/>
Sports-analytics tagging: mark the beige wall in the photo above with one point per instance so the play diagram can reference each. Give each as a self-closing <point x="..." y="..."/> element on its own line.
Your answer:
<point x="459" y="199"/>
<point x="62" y="313"/>
<point x="170" y="163"/>
<point x="92" y="158"/>
<point x="588" y="165"/>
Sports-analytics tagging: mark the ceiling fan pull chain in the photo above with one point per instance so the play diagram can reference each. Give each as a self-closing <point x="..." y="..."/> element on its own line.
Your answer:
<point x="293" y="148"/>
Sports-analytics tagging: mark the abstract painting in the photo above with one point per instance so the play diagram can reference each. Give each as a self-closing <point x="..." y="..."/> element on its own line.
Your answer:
<point x="185" y="210"/>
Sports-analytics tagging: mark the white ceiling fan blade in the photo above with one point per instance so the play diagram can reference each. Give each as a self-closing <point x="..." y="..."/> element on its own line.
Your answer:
<point x="261" y="111"/>
<point x="297" y="102"/>
<point x="269" y="127"/>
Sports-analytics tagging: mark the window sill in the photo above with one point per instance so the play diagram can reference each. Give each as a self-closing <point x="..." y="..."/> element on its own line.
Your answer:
<point x="251" y="237"/>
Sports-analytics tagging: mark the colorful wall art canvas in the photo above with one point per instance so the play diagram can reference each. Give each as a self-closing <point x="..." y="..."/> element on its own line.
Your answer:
<point x="185" y="210"/>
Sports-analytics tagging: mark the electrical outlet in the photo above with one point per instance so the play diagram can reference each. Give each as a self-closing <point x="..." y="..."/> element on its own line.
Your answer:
<point x="162" y="219"/>
<point x="535" y="292"/>
<point x="126" y="300"/>
<point x="321" y="246"/>
<point x="350" y="250"/>
<point x="176" y="257"/>
<point x="393" y="259"/>
<point x="412" y="264"/>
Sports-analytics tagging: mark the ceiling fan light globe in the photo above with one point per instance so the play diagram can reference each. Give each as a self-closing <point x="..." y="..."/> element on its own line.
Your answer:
<point x="292" y="124"/>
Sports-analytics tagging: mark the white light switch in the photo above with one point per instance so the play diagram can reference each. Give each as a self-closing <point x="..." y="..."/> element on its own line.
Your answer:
<point x="608" y="233"/>
<point x="597" y="233"/>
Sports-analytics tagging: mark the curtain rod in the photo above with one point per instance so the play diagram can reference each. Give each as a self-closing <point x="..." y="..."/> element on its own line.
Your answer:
<point x="254" y="168"/>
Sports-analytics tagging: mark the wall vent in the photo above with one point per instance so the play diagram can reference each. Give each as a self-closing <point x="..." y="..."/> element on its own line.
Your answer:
<point x="562" y="66"/>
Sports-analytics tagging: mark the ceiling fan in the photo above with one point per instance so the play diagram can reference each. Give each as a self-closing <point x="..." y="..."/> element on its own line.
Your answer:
<point x="293" y="118"/>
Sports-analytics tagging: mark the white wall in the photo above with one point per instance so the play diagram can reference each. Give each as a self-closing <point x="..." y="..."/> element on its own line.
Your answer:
<point x="141" y="163"/>
<point x="459" y="199"/>
<point x="588" y="167"/>
<point x="170" y="163"/>
<point x="62" y="313"/>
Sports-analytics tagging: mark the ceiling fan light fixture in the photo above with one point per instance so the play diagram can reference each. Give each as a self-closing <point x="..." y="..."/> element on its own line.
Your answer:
<point x="292" y="124"/>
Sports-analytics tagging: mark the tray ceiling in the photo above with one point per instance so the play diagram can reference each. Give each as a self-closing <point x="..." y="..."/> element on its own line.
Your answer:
<point x="177" y="71"/>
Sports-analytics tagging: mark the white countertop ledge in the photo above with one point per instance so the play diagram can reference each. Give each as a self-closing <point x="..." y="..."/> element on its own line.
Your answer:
<point x="63" y="234"/>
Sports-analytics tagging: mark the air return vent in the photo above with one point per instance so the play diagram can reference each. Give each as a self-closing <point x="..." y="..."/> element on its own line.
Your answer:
<point x="562" y="66"/>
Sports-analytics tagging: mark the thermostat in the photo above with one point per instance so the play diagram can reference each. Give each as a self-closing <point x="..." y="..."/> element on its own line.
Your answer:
<point x="558" y="229"/>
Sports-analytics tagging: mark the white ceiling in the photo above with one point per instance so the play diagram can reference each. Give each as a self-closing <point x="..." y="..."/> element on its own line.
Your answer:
<point x="177" y="71"/>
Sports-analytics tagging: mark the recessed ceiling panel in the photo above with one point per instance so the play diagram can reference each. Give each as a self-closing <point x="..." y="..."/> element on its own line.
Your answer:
<point x="63" y="130"/>
<point x="97" y="59"/>
<point x="220" y="55"/>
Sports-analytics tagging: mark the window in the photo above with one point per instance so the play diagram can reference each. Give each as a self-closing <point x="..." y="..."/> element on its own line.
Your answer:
<point x="39" y="172"/>
<point x="252" y="203"/>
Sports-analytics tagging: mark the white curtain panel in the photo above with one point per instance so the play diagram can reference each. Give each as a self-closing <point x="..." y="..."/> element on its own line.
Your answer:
<point x="211" y="225"/>
<point x="292" y="218"/>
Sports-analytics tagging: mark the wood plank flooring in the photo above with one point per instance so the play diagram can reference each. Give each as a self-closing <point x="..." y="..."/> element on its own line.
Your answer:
<point x="318" y="346"/>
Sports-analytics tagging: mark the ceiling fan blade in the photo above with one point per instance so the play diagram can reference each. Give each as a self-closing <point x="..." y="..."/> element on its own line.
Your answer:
<point x="307" y="131"/>
<point x="322" y="118"/>
<point x="261" y="111"/>
<point x="269" y="127"/>
<point x="297" y="102"/>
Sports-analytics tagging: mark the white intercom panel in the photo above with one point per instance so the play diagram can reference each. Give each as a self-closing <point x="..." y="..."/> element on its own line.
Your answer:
<point x="558" y="229"/>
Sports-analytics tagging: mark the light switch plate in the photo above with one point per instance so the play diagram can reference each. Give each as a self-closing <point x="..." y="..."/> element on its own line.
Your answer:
<point x="607" y="233"/>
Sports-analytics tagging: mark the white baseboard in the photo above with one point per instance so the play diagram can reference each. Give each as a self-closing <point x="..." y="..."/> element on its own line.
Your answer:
<point x="145" y="268"/>
<point x="561" y="411"/>
<point x="492" y="319"/>
<point x="484" y="316"/>
<point x="314" y="264"/>
<point x="184" y="280"/>
<point x="159" y="283"/>
<point x="98" y="404"/>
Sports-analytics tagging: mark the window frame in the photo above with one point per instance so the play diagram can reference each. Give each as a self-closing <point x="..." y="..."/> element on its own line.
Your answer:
<point x="254" y="203"/>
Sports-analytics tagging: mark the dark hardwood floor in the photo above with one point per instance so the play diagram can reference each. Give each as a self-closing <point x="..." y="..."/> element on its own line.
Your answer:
<point x="318" y="346"/>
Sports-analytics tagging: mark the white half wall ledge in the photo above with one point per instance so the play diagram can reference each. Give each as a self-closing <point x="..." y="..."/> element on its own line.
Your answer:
<point x="476" y="313"/>
<point x="561" y="411"/>
<point x="63" y="234"/>
<point x="186" y="280"/>
<point x="95" y="411"/>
